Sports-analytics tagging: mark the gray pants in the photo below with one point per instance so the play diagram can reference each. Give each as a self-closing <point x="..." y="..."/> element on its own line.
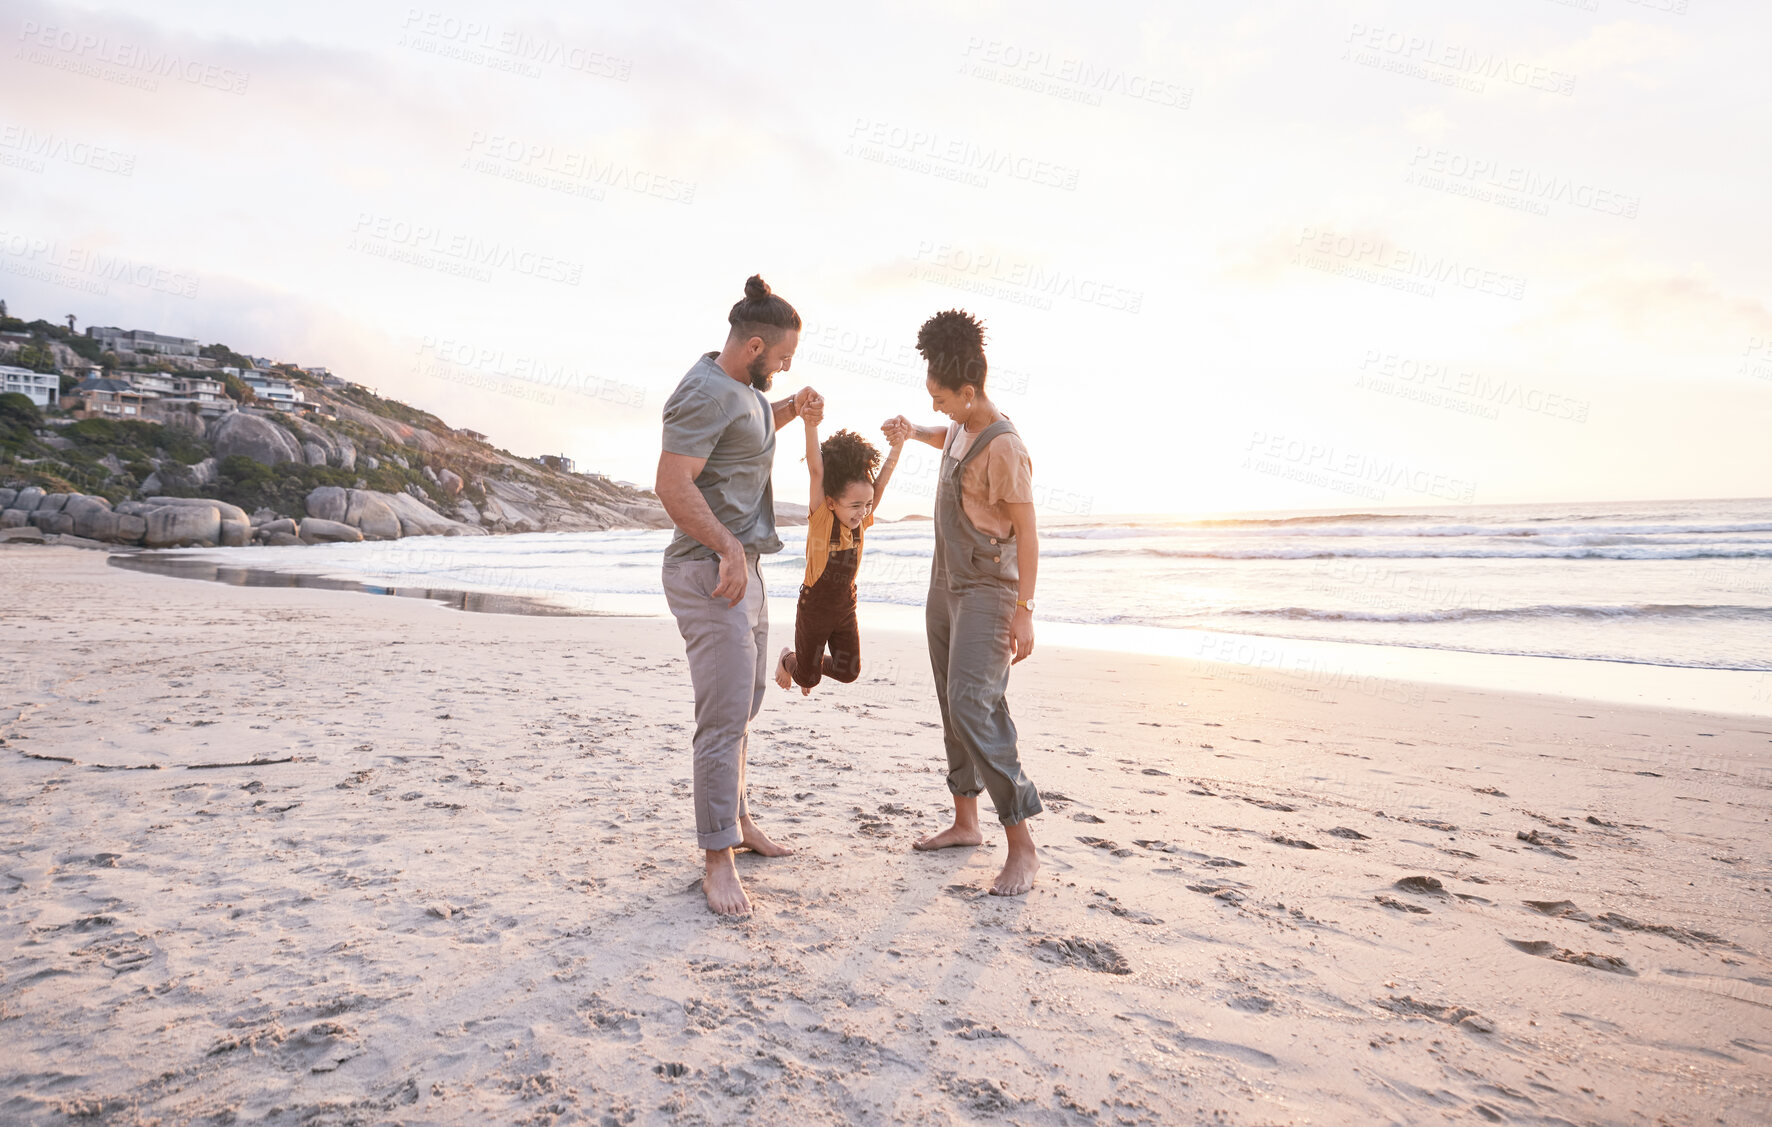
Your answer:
<point x="728" y="650"/>
<point x="968" y="632"/>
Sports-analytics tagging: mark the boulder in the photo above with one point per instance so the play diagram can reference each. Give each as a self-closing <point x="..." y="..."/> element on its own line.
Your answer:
<point x="133" y="508"/>
<point x="111" y="463"/>
<point x="57" y="523"/>
<point x="369" y="512"/>
<point x="283" y="525"/>
<point x="14" y="518"/>
<point x="78" y="503"/>
<point x="6" y="496"/>
<point x="235" y="534"/>
<point x="131" y="528"/>
<point x="203" y="473"/>
<point x="96" y="523"/>
<point x="317" y="531"/>
<point x="314" y="453"/>
<point x="52" y="502"/>
<point x="347" y="453"/>
<point x="227" y="511"/>
<point x="328" y="502"/>
<point x="430" y="475"/>
<point x="451" y="482"/>
<point x="254" y="436"/>
<point x="153" y="484"/>
<point x="465" y="509"/>
<point x="263" y="516"/>
<point x="20" y="534"/>
<point x="282" y="539"/>
<point x="417" y="519"/>
<point x="370" y="461"/>
<point x="177" y="526"/>
<point x="28" y="499"/>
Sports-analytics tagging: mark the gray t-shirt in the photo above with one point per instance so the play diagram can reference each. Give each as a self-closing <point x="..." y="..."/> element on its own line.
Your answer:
<point x="713" y="416"/>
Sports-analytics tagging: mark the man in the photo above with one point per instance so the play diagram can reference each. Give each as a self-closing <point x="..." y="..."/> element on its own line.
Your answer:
<point x="713" y="478"/>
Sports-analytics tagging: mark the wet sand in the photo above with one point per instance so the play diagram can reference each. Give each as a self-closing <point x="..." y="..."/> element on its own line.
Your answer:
<point x="297" y="855"/>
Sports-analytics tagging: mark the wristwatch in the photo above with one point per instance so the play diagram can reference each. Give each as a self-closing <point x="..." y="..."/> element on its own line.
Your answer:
<point x="1027" y="604"/>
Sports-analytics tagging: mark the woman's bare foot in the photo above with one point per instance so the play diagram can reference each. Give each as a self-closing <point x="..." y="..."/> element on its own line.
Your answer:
<point x="720" y="883"/>
<point x="759" y="842"/>
<point x="783" y="675"/>
<point x="964" y="831"/>
<point x="1023" y="863"/>
<point x="954" y="835"/>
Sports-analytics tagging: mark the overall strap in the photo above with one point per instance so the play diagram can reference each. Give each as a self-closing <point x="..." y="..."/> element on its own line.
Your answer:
<point x="984" y="437"/>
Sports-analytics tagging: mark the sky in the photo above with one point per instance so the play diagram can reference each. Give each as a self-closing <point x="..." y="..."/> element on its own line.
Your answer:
<point x="1230" y="257"/>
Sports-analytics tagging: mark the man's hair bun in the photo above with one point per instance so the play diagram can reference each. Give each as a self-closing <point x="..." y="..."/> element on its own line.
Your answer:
<point x="761" y="313"/>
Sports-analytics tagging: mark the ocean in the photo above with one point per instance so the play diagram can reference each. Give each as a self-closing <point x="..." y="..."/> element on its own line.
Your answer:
<point x="1681" y="585"/>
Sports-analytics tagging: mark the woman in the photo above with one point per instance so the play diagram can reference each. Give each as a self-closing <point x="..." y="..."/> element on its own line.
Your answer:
<point x="980" y="613"/>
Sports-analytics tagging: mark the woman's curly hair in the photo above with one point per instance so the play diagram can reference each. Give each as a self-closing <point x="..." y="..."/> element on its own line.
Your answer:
<point x="953" y="343"/>
<point x="848" y="458"/>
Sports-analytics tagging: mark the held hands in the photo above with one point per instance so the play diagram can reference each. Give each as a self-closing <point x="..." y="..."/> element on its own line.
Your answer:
<point x="897" y="430"/>
<point x="809" y="405"/>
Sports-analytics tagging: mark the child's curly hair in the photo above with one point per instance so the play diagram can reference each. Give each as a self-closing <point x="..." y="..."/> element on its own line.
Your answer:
<point x="848" y="458"/>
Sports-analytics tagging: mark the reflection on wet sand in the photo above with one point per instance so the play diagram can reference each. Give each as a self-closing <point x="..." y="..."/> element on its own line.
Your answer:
<point x="485" y="602"/>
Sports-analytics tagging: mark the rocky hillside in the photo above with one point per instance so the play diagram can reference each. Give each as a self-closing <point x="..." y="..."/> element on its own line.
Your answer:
<point x="269" y="463"/>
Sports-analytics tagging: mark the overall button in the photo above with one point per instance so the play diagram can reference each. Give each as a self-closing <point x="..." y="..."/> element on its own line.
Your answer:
<point x="997" y="559"/>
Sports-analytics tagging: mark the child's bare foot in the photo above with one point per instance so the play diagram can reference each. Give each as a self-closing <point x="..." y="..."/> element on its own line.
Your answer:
<point x="783" y="675"/>
<point x="720" y="883"/>
<point x="759" y="842"/>
<point x="954" y="835"/>
<point x="1018" y="872"/>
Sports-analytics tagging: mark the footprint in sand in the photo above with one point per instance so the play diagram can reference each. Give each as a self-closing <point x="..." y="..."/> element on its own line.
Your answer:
<point x="1460" y="1016"/>
<point x="1544" y="843"/>
<point x="1091" y="954"/>
<point x="1547" y="950"/>
<point x="1393" y="903"/>
<point x="1427" y="886"/>
<point x="1113" y="847"/>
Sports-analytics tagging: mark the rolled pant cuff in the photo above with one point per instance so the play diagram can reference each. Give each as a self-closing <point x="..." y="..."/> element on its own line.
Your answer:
<point x="1020" y="816"/>
<point x="958" y="793"/>
<point x="720" y="839"/>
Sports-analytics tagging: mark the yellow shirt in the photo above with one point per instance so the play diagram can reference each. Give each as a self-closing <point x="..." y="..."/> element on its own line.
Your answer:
<point x="818" y="540"/>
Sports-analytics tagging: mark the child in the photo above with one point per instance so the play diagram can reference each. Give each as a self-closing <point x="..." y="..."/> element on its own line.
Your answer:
<point x="845" y="492"/>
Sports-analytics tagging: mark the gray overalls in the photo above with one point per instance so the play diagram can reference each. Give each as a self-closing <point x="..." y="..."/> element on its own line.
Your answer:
<point x="972" y="592"/>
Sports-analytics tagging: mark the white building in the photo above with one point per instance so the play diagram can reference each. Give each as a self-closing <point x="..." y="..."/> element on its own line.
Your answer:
<point x="274" y="391"/>
<point x="141" y="341"/>
<point x="151" y="384"/>
<point x="42" y="388"/>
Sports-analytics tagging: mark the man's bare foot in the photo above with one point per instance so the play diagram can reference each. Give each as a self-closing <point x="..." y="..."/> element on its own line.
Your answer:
<point x="759" y="842"/>
<point x="720" y="883"/>
<point x="1024" y="861"/>
<point x="783" y="675"/>
<point x="954" y="835"/>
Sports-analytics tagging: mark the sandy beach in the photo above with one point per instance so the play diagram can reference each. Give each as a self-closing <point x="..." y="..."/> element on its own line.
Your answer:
<point x="317" y="857"/>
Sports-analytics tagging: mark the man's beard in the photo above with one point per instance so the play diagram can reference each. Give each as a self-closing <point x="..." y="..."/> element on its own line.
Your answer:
<point x="760" y="379"/>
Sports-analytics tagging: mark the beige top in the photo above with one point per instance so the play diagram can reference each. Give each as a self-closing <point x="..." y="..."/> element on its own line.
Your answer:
<point x="1001" y="476"/>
